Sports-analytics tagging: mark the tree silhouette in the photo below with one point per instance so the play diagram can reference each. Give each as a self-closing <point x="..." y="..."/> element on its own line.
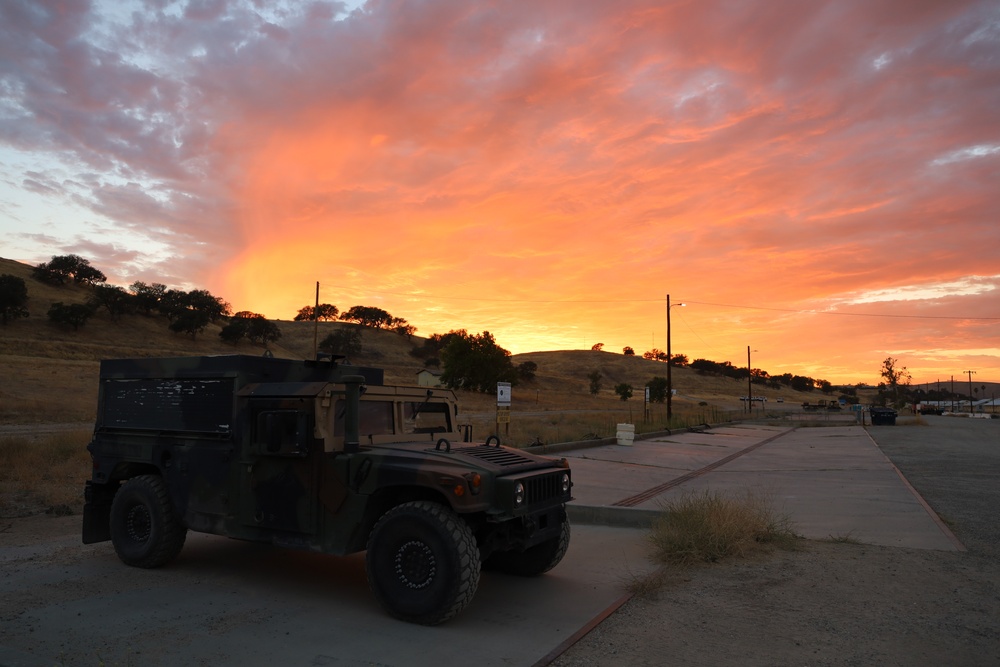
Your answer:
<point x="13" y="297"/>
<point x="526" y="370"/>
<point x="178" y="303"/>
<point x="147" y="297"/>
<point x="345" y="341"/>
<point x="114" y="299"/>
<point x="657" y="389"/>
<point x="70" y="315"/>
<point x="190" y="322"/>
<point x="253" y="326"/>
<point x="477" y="363"/>
<point x="595" y="382"/>
<point x="325" y="312"/>
<point x="894" y="375"/>
<point x="65" y="268"/>
<point x="368" y="316"/>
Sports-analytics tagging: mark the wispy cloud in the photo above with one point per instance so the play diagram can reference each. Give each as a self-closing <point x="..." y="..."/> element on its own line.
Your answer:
<point x="443" y="157"/>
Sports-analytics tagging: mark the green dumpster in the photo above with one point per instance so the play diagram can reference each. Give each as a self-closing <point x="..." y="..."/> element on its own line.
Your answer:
<point x="883" y="416"/>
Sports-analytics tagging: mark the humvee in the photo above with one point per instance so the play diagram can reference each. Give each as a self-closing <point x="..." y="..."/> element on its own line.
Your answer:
<point x="323" y="456"/>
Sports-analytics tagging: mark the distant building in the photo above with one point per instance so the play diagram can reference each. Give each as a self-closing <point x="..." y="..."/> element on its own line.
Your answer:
<point x="428" y="378"/>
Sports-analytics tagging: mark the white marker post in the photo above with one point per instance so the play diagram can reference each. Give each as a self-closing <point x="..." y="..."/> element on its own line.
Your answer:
<point x="503" y="406"/>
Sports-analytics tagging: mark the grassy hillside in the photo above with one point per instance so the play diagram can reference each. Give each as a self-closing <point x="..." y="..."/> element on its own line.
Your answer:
<point x="49" y="374"/>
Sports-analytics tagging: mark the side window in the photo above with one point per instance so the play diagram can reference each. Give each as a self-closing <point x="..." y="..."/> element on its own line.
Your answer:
<point x="427" y="417"/>
<point x="374" y="418"/>
<point x="282" y="432"/>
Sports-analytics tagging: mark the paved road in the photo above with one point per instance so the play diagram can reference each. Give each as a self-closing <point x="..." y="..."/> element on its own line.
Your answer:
<point x="955" y="465"/>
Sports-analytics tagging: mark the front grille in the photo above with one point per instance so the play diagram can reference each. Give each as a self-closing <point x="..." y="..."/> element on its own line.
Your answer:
<point x="495" y="455"/>
<point x="540" y="488"/>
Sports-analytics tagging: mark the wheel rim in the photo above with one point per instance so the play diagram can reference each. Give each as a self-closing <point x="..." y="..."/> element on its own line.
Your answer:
<point x="138" y="523"/>
<point x="416" y="565"/>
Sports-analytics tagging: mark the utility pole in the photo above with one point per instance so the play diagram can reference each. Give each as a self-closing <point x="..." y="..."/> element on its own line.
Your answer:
<point x="749" y="383"/>
<point x="971" y="373"/>
<point x="670" y="363"/>
<point x="316" y="325"/>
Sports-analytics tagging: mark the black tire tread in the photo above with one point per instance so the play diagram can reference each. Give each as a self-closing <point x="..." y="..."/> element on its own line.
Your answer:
<point x="468" y="552"/>
<point x="171" y="534"/>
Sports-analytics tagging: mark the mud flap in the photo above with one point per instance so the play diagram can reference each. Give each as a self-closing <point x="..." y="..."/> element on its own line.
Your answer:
<point x="97" y="512"/>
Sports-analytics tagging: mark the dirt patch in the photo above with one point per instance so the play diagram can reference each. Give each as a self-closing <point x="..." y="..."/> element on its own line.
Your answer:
<point x="828" y="604"/>
<point x="841" y="603"/>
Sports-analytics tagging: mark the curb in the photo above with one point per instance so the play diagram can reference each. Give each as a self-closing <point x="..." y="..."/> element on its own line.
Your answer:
<point x="601" y="442"/>
<point x="615" y="517"/>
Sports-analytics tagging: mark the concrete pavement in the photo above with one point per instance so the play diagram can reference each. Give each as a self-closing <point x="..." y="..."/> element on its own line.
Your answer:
<point x="831" y="481"/>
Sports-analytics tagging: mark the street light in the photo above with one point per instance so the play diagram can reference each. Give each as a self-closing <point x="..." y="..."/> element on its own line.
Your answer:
<point x="971" y="373"/>
<point x="749" y="382"/>
<point x="670" y="362"/>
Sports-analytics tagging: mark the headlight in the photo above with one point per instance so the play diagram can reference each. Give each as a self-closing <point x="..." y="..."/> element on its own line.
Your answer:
<point x="565" y="483"/>
<point x="518" y="494"/>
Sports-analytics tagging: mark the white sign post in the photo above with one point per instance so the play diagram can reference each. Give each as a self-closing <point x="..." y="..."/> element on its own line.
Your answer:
<point x="503" y="406"/>
<point x="503" y="394"/>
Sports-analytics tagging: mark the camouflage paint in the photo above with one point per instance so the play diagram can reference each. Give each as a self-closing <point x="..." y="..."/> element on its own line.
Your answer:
<point x="255" y="448"/>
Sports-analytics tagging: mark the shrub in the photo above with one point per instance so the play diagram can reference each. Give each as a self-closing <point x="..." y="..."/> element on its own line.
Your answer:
<point x="710" y="526"/>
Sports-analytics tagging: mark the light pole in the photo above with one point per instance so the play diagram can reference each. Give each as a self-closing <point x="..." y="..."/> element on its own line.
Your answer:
<point x="670" y="362"/>
<point x="971" y="373"/>
<point x="749" y="383"/>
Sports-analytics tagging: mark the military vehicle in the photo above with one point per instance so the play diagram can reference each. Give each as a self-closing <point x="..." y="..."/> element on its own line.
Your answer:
<point x="323" y="456"/>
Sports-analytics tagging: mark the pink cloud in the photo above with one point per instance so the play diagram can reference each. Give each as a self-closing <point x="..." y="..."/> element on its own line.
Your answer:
<point x="781" y="154"/>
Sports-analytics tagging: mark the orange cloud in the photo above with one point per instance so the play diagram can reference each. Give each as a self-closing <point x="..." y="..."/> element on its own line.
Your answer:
<point x="555" y="182"/>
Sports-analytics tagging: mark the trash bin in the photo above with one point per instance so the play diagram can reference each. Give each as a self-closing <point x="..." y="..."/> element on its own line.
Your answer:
<point x="883" y="416"/>
<point x="625" y="434"/>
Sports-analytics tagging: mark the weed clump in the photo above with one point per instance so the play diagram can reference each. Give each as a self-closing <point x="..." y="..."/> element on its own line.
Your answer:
<point x="711" y="526"/>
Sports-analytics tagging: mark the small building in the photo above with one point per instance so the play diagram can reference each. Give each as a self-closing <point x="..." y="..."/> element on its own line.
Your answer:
<point x="428" y="378"/>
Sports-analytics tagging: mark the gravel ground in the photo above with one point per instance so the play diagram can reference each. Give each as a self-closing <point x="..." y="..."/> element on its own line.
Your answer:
<point x="841" y="603"/>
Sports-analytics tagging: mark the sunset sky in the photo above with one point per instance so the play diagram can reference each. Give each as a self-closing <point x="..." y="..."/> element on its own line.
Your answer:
<point x="819" y="181"/>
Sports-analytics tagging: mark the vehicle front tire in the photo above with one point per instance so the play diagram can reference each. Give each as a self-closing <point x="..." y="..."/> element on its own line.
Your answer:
<point x="532" y="561"/>
<point x="145" y="530"/>
<point x="423" y="563"/>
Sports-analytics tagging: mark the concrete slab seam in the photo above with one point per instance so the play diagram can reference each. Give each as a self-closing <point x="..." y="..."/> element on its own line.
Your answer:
<point x="582" y="632"/>
<point x="920" y="499"/>
<point x="648" y="494"/>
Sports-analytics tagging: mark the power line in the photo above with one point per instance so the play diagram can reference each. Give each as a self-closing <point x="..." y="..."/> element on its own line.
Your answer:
<point x="700" y="303"/>
<point x="827" y="312"/>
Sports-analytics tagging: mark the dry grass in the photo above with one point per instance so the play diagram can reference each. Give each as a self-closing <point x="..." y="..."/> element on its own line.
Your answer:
<point x="710" y="526"/>
<point x="43" y="474"/>
<point x="707" y="527"/>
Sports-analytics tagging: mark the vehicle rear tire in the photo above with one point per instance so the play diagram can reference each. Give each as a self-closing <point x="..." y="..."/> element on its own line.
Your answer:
<point x="532" y="561"/>
<point x="145" y="530"/>
<point x="423" y="563"/>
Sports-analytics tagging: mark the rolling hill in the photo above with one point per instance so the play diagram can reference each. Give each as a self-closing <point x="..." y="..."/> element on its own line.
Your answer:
<point x="49" y="374"/>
